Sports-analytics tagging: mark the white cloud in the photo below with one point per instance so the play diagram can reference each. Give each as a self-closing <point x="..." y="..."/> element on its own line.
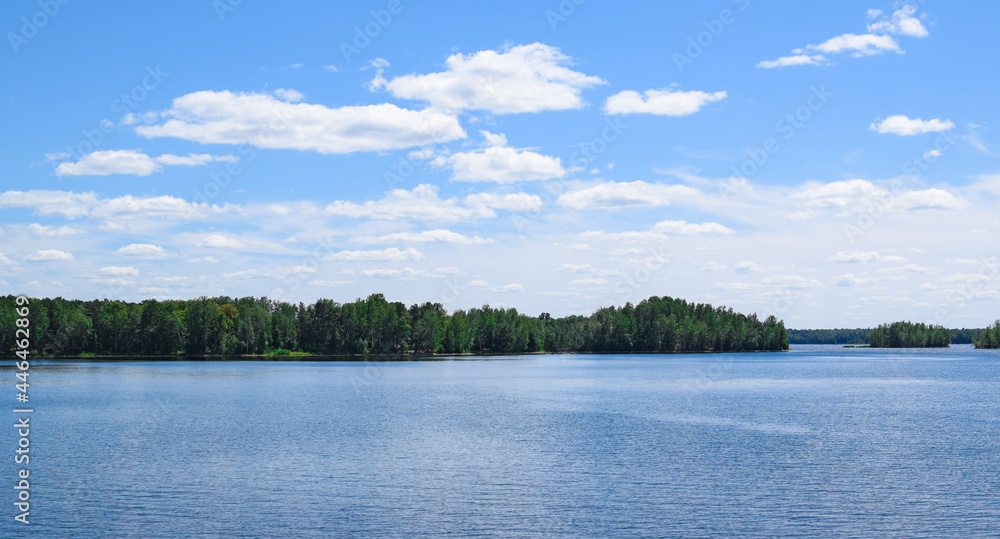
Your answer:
<point x="50" y="255"/>
<point x="5" y="261"/>
<point x="877" y="41"/>
<point x="63" y="203"/>
<point x="193" y="160"/>
<point x="422" y="203"/>
<point x="625" y="194"/>
<point x="660" y="102"/>
<point x="858" y="45"/>
<point x="267" y="121"/>
<point x="290" y="95"/>
<point x="501" y="164"/>
<point x="131" y="162"/>
<point x="404" y="273"/>
<point x="218" y="241"/>
<point x="794" y="282"/>
<point x="864" y="257"/>
<point x="848" y="279"/>
<point x="329" y="283"/>
<point x="856" y="193"/>
<point x="689" y="229"/>
<point x="507" y="288"/>
<point x="519" y="202"/>
<point x="525" y="78"/>
<point x="904" y="126"/>
<point x="119" y="270"/>
<point x="795" y="60"/>
<point x="494" y="139"/>
<point x="73" y="205"/>
<point x="909" y="268"/>
<point x="421" y="154"/>
<point x="427" y="236"/>
<point x="901" y="22"/>
<point x="165" y="206"/>
<point x="104" y="162"/>
<point x="389" y="255"/>
<point x="732" y="286"/>
<point x="928" y="199"/>
<point x="52" y="231"/>
<point x="145" y="251"/>
<point x="746" y="267"/>
<point x="588" y="281"/>
<point x="631" y="236"/>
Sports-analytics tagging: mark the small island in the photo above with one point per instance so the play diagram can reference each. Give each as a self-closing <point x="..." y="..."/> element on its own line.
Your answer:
<point x="989" y="337"/>
<point x="909" y="335"/>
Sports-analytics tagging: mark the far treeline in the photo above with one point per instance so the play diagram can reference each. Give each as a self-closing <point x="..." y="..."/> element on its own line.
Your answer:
<point x="909" y="335"/>
<point x="258" y="326"/>
<point x="862" y="336"/>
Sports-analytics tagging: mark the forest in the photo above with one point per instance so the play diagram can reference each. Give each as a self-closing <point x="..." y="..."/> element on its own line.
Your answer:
<point x="989" y="337"/>
<point x="861" y="336"/>
<point x="222" y="326"/>
<point x="909" y="335"/>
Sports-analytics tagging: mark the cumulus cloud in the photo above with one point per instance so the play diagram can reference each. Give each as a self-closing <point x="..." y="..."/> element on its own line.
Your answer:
<point x="218" y="241"/>
<point x="49" y="255"/>
<point x="74" y="205"/>
<point x="858" y="45"/>
<point x="794" y="282"/>
<point x="623" y="195"/>
<point x="858" y="192"/>
<point x="901" y="22"/>
<point x="904" y="126"/>
<point x="131" y="162"/>
<point x="145" y="251"/>
<point x="388" y="255"/>
<point x="501" y="164"/>
<point x="49" y="231"/>
<point x="119" y="271"/>
<point x="848" y="279"/>
<point x="746" y="267"/>
<point x="42" y="202"/>
<point x="404" y="273"/>
<point x="864" y="257"/>
<point x="422" y="203"/>
<point x="878" y="40"/>
<point x="426" y="236"/>
<point x="519" y="202"/>
<point x="690" y="229"/>
<point x="795" y="60"/>
<point x="525" y="78"/>
<point x="268" y="121"/>
<point x="660" y="102"/>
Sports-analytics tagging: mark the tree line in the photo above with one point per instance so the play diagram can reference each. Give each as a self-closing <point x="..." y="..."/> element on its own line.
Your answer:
<point x="989" y="337"/>
<point x="861" y="336"/>
<point x="909" y="335"/>
<point x="237" y="326"/>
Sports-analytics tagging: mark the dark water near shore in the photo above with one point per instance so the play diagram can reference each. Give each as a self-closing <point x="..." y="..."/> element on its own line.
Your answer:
<point x="821" y="441"/>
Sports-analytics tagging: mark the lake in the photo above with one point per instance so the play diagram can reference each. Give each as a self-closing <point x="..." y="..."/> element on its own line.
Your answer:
<point x="817" y="442"/>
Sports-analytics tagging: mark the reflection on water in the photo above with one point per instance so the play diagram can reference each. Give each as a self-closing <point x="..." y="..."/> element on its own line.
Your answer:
<point x="819" y="441"/>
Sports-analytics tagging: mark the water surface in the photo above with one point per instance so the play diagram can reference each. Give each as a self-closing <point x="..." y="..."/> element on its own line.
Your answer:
<point x="817" y="442"/>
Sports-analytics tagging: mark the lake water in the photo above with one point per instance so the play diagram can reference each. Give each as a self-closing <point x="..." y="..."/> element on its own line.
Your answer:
<point x="819" y="441"/>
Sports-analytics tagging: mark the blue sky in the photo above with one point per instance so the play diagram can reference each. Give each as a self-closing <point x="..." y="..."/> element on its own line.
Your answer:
<point x="830" y="163"/>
